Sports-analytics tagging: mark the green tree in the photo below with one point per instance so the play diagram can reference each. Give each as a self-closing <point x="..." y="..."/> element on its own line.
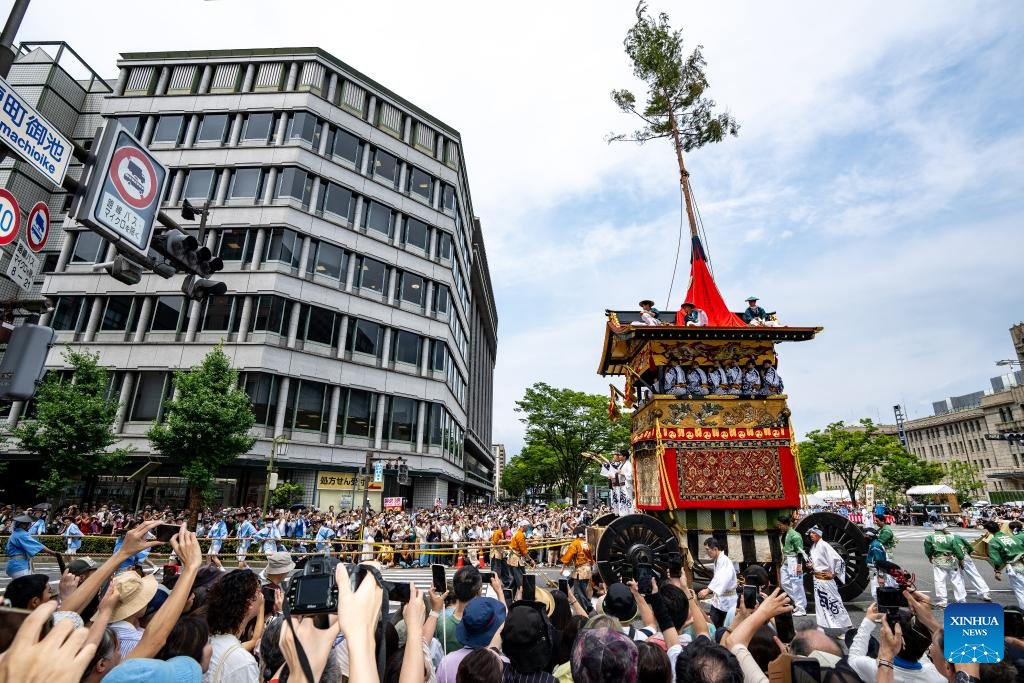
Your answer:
<point x="72" y="428"/>
<point x="286" y="494"/>
<point x="965" y="479"/>
<point x="904" y="469"/>
<point x="207" y="423"/>
<point x="567" y="423"/>
<point x="676" y="106"/>
<point x="852" y="453"/>
<point x="535" y="468"/>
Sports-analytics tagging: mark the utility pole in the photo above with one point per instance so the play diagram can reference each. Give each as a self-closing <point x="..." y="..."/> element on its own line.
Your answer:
<point x="7" y="51"/>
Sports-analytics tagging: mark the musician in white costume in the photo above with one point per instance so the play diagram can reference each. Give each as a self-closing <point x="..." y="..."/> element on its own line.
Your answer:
<point x="619" y="473"/>
<point x="829" y="570"/>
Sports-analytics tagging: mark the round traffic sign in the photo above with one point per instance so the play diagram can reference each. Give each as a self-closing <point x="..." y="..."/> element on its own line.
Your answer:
<point x="134" y="177"/>
<point x="10" y="217"/>
<point x="38" y="226"/>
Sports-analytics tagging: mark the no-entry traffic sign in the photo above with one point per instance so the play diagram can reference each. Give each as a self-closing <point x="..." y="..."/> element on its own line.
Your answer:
<point x="38" y="226"/>
<point x="10" y="217"/>
<point x="125" y="186"/>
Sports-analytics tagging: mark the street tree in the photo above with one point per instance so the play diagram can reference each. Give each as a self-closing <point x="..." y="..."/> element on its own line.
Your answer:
<point x="852" y="453"/>
<point x="535" y="468"/>
<point x="904" y="469"/>
<point x="206" y="425"/>
<point x="567" y="423"/>
<point x="286" y="494"/>
<point x="71" y="431"/>
<point x="965" y="479"/>
<point x="676" y="106"/>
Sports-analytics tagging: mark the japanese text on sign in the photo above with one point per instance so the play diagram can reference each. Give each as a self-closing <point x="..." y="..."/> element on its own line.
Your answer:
<point x="393" y="503"/>
<point x="119" y="215"/>
<point x="23" y="266"/>
<point x="343" y="480"/>
<point x="31" y="136"/>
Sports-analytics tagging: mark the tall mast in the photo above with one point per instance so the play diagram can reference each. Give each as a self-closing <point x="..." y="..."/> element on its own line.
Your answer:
<point x="684" y="175"/>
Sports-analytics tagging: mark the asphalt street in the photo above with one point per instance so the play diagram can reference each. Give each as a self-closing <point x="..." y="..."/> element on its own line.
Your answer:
<point x="909" y="554"/>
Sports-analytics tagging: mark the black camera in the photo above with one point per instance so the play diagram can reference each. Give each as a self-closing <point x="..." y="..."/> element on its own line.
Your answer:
<point x="314" y="591"/>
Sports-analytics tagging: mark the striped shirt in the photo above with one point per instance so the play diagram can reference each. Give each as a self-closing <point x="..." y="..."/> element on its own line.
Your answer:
<point x="127" y="637"/>
<point x="512" y="676"/>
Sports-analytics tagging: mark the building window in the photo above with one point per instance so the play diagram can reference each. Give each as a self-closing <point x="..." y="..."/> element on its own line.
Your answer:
<point x="401" y="419"/>
<point x="421" y="183"/>
<point x="199" y="186"/>
<point x="119" y="315"/>
<point x="214" y="128"/>
<point x="444" y="246"/>
<point x="304" y="126"/>
<point x="132" y="124"/>
<point x="170" y="314"/>
<point x="258" y="127"/>
<point x="373" y="275"/>
<point x="336" y="201"/>
<point x="364" y="337"/>
<point x="50" y="260"/>
<point x="360" y="417"/>
<point x="378" y="218"/>
<point x="448" y="199"/>
<point x="385" y="167"/>
<point x="68" y="314"/>
<point x="347" y="146"/>
<point x="263" y="389"/>
<point x="236" y="244"/>
<point x="219" y="314"/>
<point x="319" y="325"/>
<point x="442" y="299"/>
<point x="294" y="183"/>
<point x="436" y="423"/>
<point x="169" y="130"/>
<point x="284" y="246"/>
<point x="406" y="347"/>
<point x="438" y="355"/>
<point x="269" y="315"/>
<point x="306" y="411"/>
<point x="89" y="247"/>
<point x="413" y="289"/>
<point x="151" y="392"/>
<point x="328" y="260"/>
<point x="416" y="233"/>
<point x="246" y="183"/>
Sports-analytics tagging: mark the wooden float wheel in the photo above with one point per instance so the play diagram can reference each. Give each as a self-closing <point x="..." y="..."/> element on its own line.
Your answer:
<point x="848" y="540"/>
<point x="635" y="540"/>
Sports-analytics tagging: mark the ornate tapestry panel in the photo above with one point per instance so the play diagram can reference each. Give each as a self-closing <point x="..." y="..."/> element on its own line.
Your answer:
<point x="648" y="477"/>
<point x="733" y="473"/>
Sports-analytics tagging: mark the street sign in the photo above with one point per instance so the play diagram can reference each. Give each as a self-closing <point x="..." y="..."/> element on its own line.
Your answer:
<point x="34" y="138"/>
<point x="869" y="496"/>
<point x="393" y="503"/>
<point x="378" y="471"/>
<point x="38" y="226"/>
<point x="439" y="502"/>
<point x="23" y="266"/>
<point x="10" y="217"/>
<point x="123" y="196"/>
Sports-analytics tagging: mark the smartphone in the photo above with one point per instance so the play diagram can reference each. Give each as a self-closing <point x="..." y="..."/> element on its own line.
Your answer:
<point x="784" y="627"/>
<point x="750" y="597"/>
<point x="529" y="587"/>
<point x="437" y="574"/>
<point x="11" y="619"/>
<point x="675" y="569"/>
<point x="644" y="574"/>
<point x="890" y="600"/>
<point x="563" y="585"/>
<point x="164" y="532"/>
<point x="399" y="592"/>
<point x="808" y="668"/>
<point x="486" y="577"/>
<point x="1013" y="623"/>
<point x="508" y="595"/>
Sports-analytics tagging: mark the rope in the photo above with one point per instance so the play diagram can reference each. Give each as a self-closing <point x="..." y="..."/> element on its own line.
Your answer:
<point x="794" y="448"/>
<point x="679" y="246"/>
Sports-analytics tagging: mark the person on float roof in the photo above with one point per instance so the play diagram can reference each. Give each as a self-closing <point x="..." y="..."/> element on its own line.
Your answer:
<point x="694" y="317"/>
<point x="753" y="312"/>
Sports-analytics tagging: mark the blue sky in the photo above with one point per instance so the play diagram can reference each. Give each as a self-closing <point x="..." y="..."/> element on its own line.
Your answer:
<point x="875" y="188"/>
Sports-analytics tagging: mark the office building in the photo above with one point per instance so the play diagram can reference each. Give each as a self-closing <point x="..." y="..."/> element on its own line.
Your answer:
<point x="359" y="309"/>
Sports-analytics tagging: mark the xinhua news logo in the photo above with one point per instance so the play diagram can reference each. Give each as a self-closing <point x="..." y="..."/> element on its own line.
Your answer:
<point x="973" y="632"/>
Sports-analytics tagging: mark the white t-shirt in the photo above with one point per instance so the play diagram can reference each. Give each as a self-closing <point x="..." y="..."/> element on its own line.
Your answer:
<point x="239" y="665"/>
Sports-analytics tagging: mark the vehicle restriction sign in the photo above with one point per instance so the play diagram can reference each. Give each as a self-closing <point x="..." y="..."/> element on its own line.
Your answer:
<point x="10" y="217"/>
<point x="38" y="226"/>
<point x="134" y="177"/>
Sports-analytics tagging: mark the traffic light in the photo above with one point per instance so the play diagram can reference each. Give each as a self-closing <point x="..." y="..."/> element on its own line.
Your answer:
<point x="184" y="252"/>
<point x="123" y="270"/>
<point x="24" y="364"/>
<point x="403" y="475"/>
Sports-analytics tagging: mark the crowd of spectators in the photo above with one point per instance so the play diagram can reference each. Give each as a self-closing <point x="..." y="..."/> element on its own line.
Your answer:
<point x="202" y="622"/>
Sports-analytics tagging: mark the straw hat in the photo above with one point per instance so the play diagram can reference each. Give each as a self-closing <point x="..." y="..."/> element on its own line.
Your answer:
<point x="135" y="591"/>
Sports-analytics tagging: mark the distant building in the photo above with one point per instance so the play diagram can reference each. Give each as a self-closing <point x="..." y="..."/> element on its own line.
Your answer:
<point x="968" y="428"/>
<point x="498" y="450"/>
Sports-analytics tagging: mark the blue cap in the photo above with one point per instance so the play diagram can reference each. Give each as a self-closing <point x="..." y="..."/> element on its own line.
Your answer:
<point x="174" y="670"/>
<point x="480" y="621"/>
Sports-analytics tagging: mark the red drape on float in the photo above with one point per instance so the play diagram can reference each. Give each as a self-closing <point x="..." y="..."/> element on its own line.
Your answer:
<point x="704" y="294"/>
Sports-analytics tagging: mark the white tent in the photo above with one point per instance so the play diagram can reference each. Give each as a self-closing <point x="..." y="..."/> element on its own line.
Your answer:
<point x="832" y="494"/>
<point x="930" y="490"/>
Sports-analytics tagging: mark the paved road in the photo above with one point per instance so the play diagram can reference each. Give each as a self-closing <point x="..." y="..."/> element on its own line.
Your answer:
<point x="909" y="554"/>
